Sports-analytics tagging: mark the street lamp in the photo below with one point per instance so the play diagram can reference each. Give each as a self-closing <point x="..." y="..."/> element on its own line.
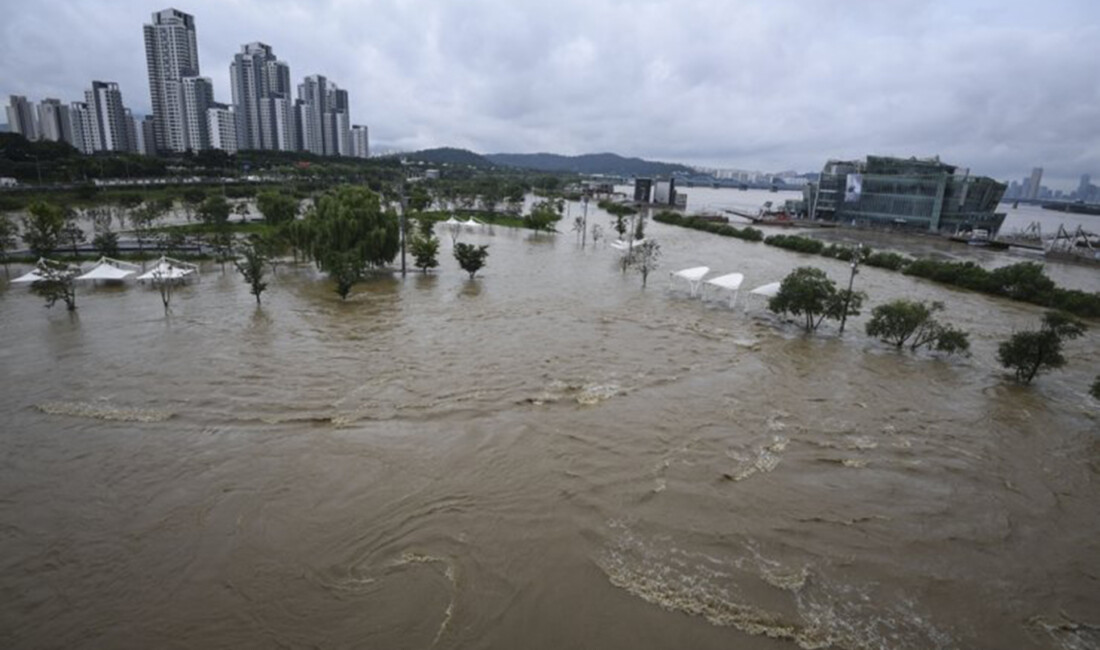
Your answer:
<point x="851" y="279"/>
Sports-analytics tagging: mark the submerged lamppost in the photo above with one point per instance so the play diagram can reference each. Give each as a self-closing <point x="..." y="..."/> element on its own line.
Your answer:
<point x="851" y="280"/>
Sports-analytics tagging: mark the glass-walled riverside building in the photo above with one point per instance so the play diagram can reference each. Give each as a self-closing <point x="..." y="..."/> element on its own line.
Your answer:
<point x="905" y="193"/>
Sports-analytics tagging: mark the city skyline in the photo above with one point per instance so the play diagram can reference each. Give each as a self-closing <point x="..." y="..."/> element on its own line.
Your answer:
<point x="996" y="87"/>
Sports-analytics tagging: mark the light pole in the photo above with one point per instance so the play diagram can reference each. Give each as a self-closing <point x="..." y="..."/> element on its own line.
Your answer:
<point x="584" y="223"/>
<point x="851" y="279"/>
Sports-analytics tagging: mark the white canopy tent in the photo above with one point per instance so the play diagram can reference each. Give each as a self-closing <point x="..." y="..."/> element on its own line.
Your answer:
<point x="28" y="277"/>
<point x="730" y="282"/>
<point x="451" y="221"/>
<point x="694" y="276"/>
<point x="621" y="245"/>
<point x="167" y="268"/>
<point x="109" y="269"/>
<point x="472" y="223"/>
<point x="767" y="290"/>
<point x="34" y="275"/>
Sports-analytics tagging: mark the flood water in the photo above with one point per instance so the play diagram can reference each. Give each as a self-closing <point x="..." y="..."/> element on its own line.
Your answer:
<point x="548" y="456"/>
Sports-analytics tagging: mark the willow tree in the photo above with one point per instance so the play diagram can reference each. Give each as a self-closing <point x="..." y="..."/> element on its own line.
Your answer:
<point x="349" y="232"/>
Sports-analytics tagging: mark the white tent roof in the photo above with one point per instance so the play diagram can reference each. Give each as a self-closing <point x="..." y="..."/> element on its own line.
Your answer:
<point x="30" y="276"/>
<point x="693" y="274"/>
<point x="108" y="269"/>
<point x="768" y="290"/>
<point x="472" y="222"/>
<point x="451" y="221"/>
<point x="625" y="245"/>
<point x="731" y="281"/>
<point x="34" y="276"/>
<point x="168" y="269"/>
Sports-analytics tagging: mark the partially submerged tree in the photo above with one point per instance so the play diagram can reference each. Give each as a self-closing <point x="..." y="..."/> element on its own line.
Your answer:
<point x="277" y="208"/>
<point x="425" y="251"/>
<point x="72" y="234"/>
<point x="905" y="321"/>
<point x="471" y="258"/>
<point x="43" y="227"/>
<point x="8" y="233"/>
<point x="1095" y="390"/>
<point x="1032" y="352"/>
<point x="544" y="215"/>
<point x="104" y="238"/>
<point x="214" y="211"/>
<point x="809" y="293"/>
<point x="349" y="231"/>
<point x="56" y="283"/>
<point x="644" y="258"/>
<point x="250" y="264"/>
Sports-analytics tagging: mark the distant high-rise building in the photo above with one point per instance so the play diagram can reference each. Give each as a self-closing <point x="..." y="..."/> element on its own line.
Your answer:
<point x="222" y="124"/>
<point x="360" y="141"/>
<point x="53" y="121"/>
<point x="1033" y="183"/>
<point x="1083" y="187"/>
<point x="198" y="96"/>
<point x="22" y="118"/>
<point x="286" y="126"/>
<point x="324" y="117"/>
<point x="171" y="54"/>
<point x="80" y="123"/>
<point x="258" y="79"/>
<point x="314" y="102"/>
<point x="106" y="117"/>
<point x="142" y="135"/>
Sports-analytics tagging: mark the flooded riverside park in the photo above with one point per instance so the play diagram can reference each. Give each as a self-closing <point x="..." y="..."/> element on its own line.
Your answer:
<point x="548" y="456"/>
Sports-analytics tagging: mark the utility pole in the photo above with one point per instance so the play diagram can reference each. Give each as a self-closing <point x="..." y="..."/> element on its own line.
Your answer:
<point x="404" y="209"/>
<point x="851" y="280"/>
<point x="584" y="223"/>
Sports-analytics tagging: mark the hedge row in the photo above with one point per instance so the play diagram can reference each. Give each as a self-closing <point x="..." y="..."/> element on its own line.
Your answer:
<point x="747" y="233"/>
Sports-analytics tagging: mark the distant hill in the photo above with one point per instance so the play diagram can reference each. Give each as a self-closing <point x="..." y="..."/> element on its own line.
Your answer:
<point x="593" y="163"/>
<point x="448" y="156"/>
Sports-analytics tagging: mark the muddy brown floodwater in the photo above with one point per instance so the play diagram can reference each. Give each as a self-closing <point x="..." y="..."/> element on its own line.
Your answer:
<point x="545" y="457"/>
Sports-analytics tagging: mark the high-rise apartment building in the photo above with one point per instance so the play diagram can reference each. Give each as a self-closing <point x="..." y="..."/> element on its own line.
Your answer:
<point x="1034" y="183"/>
<point x="360" y="141"/>
<point x="106" y="117"/>
<point x="171" y="54"/>
<point x="222" y="124"/>
<point x="259" y="81"/>
<point x="53" y="121"/>
<point x="80" y="123"/>
<point x="22" y="118"/>
<point x="198" y="97"/>
<point x="325" y="117"/>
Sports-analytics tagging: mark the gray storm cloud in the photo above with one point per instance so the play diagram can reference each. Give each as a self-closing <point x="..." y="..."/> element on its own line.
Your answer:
<point x="999" y="87"/>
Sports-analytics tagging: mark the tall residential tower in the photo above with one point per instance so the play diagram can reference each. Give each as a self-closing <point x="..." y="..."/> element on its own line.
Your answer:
<point x="172" y="54"/>
<point x="262" y="97"/>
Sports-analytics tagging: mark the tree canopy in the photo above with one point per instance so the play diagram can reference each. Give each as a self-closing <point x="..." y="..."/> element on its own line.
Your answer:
<point x="347" y="231"/>
<point x="1032" y="352"/>
<point x="809" y="293"/>
<point x="471" y="258"/>
<point x="905" y="321"/>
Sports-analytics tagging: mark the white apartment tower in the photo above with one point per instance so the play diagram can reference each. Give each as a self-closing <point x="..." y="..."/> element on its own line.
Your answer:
<point x="261" y="88"/>
<point x="324" y="117"/>
<point x="172" y="54"/>
<point x="222" y="123"/>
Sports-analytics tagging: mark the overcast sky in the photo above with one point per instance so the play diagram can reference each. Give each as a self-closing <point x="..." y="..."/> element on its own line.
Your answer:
<point x="997" y="86"/>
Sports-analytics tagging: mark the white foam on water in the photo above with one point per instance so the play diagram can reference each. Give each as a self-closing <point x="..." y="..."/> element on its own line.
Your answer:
<point x="449" y="572"/>
<point x="1067" y="633"/>
<point x="763" y="459"/>
<point x="825" y="615"/>
<point x="104" y="411"/>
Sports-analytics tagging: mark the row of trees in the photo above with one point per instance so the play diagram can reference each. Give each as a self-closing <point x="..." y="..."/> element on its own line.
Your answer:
<point x="809" y="293"/>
